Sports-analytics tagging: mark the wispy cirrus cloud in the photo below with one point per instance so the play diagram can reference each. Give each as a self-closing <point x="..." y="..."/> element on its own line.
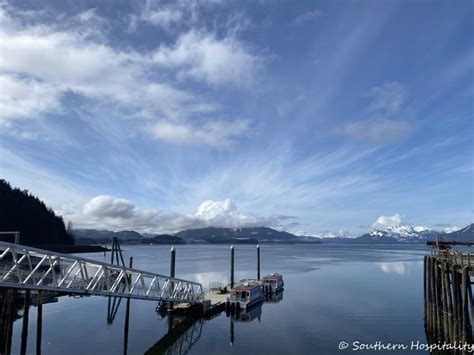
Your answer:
<point x="170" y="15"/>
<point x="387" y="98"/>
<point x="307" y="17"/>
<point x="212" y="133"/>
<point x="203" y="56"/>
<point x="377" y="131"/>
<point x="57" y="60"/>
<point x="384" y="126"/>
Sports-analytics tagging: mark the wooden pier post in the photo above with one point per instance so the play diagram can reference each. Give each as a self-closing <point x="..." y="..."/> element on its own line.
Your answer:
<point x="437" y="295"/>
<point x="24" y="328"/>
<point x="172" y="262"/>
<point x="425" y="287"/>
<point x="429" y="296"/>
<point x="231" y="266"/>
<point x="258" y="262"/>
<point x="7" y="316"/>
<point x="444" y="300"/>
<point x="466" y="322"/>
<point x="433" y="294"/>
<point x="39" y="323"/>
<point x="454" y="276"/>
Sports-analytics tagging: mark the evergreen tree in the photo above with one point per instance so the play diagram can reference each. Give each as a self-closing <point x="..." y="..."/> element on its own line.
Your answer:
<point x="37" y="223"/>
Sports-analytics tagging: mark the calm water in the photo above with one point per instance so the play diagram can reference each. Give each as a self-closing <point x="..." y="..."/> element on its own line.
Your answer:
<point x="332" y="293"/>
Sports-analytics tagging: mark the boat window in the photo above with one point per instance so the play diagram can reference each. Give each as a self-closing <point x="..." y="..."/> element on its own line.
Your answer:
<point x="244" y="294"/>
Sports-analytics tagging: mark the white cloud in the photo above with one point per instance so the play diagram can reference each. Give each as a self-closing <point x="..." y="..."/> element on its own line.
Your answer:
<point x="25" y="98"/>
<point x="307" y="17"/>
<point x="388" y="97"/>
<point x="117" y="214"/>
<point x="164" y="17"/>
<point x="109" y="207"/>
<point x="211" y="133"/>
<point x="376" y="131"/>
<point x="172" y="14"/>
<point x="41" y="63"/>
<point x="388" y="221"/>
<point x="211" y="209"/>
<point x="204" y="57"/>
<point x="69" y="62"/>
<point x="383" y="128"/>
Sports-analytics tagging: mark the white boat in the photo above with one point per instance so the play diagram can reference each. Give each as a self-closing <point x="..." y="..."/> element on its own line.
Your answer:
<point x="246" y="294"/>
<point x="273" y="282"/>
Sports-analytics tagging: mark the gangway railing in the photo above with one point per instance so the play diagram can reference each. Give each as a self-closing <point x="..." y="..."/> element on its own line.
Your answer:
<point x="26" y="267"/>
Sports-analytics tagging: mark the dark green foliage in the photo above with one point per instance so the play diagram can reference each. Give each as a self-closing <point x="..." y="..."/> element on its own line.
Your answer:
<point x="37" y="223"/>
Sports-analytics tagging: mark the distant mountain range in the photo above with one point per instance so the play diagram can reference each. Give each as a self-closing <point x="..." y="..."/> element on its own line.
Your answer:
<point x="402" y="234"/>
<point x="94" y="236"/>
<point x="252" y="235"/>
<point x="405" y="234"/>
<point x="240" y="235"/>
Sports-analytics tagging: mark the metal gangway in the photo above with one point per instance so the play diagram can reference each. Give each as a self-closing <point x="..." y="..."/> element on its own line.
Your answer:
<point x="24" y="267"/>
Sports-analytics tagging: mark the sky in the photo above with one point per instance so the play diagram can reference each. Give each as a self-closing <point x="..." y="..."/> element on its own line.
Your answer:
<point x="315" y="117"/>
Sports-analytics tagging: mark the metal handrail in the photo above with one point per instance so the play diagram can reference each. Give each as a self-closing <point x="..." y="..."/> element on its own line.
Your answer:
<point x="32" y="268"/>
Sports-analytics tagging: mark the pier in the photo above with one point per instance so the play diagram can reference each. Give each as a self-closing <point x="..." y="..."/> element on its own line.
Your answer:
<point x="448" y="298"/>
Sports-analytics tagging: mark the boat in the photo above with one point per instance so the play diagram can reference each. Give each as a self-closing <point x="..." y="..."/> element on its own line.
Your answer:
<point x="245" y="294"/>
<point x="273" y="282"/>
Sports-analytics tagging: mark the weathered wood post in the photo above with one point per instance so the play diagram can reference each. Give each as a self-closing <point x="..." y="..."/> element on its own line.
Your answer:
<point x="172" y="262"/>
<point x="454" y="277"/>
<point x="425" y="286"/>
<point x="39" y="322"/>
<point x="466" y="322"/>
<point x="429" y="289"/>
<point x="437" y="294"/>
<point x="231" y="266"/>
<point x="444" y="301"/>
<point x="24" y="328"/>
<point x="258" y="262"/>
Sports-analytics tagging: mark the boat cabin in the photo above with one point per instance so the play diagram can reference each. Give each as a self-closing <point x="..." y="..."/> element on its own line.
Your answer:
<point x="273" y="282"/>
<point x="246" y="294"/>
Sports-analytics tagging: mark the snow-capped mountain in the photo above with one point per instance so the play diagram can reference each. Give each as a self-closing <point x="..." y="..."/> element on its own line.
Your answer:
<point x="399" y="234"/>
<point x="465" y="234"/>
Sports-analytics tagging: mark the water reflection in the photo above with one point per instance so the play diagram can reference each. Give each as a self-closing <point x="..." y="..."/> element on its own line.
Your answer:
<point x="397" y="267"/>
<point x="183" y="333"/>
<point x="274" y="297"/>
<point x="15" y="305"/>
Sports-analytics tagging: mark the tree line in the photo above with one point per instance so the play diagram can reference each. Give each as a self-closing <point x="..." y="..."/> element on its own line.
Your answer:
<point x="37" y="223"/>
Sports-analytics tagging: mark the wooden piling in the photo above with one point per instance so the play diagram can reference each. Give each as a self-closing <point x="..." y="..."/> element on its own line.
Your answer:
<point x="425" y="287"/>
<point x="258" y="262"/>
<point x="39" y="322"/>
<point x="24" y="328"/>
<point x="454" y="277"/>
<point x="172" y="262"/>
<point x="231" y="266"/>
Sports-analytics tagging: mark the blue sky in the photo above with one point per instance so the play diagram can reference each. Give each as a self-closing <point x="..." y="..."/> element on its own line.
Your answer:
<point x="314" y="117"/>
